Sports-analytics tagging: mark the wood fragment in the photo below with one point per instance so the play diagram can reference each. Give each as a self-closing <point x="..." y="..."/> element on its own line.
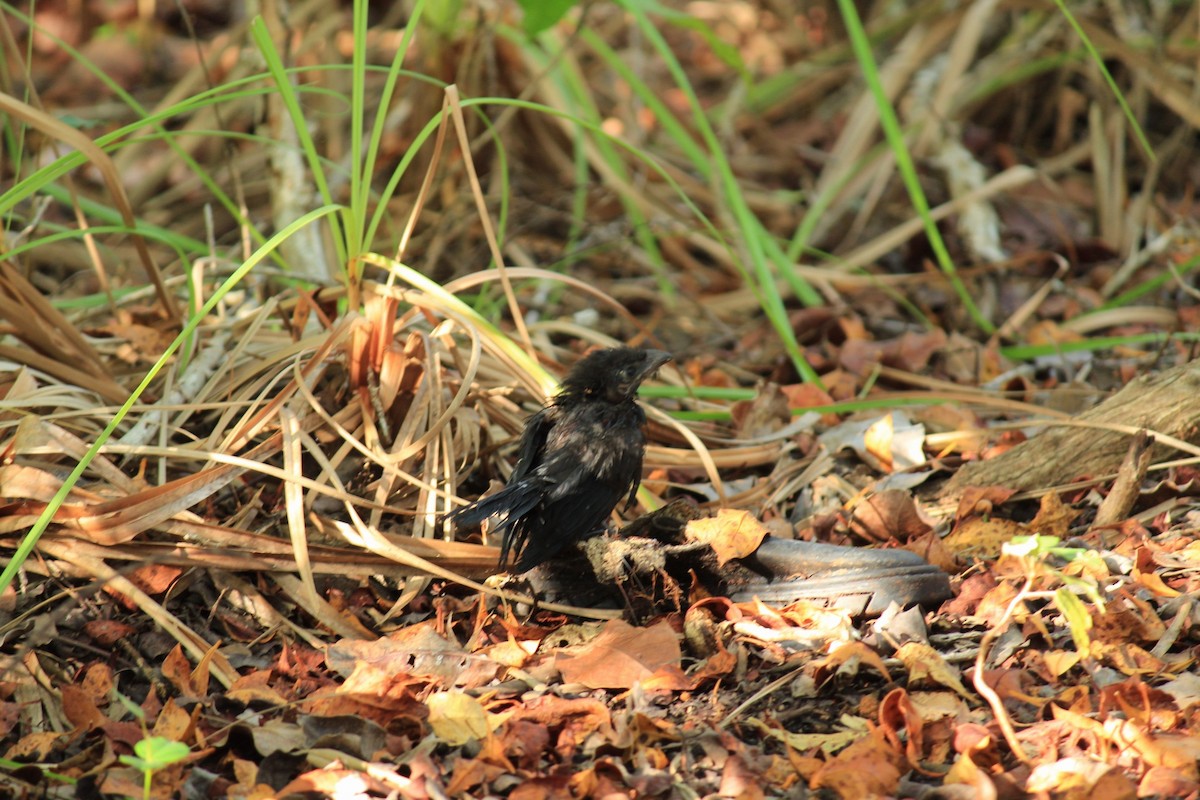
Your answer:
<point x="1124" y="492"/>
<point x="1094" y="443"/>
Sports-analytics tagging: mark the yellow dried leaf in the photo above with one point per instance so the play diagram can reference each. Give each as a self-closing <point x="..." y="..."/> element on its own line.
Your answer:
<point x="925" y="663"/>
<point x="731" y="534"/>
<point x="1060" y="661"/>
<point x="457" y="718"/>
<point x="983" y="538"/>
<point x="856" y="728"/>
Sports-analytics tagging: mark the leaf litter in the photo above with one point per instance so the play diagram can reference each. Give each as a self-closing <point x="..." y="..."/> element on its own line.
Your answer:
<point x="259" y="563"/>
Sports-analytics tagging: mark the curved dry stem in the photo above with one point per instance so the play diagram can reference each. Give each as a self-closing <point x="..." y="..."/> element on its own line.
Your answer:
<point x="987" y="692"/>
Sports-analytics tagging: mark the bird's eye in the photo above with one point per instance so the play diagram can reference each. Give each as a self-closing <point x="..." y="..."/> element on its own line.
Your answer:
<point x="628" y="372"/>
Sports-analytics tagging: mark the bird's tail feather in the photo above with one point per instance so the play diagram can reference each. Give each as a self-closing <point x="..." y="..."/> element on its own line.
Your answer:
<point x="508" y="508"/>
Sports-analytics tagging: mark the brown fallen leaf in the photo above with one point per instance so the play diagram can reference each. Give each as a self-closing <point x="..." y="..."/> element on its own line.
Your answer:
<point x="923" y="662"/>
<point x="1128" y="658"/>
<point x="910" y="352"/>
<point x="1168" y="782"/>
<point x="1185" y="690"/>
<point x="255" y="687"/>
<point x="1081" y="777"/>
<point x="933" y="549"/>
<point x="763" y="415"/>
<point x="981" y="500"/>
<point x="903" y="726"/>
<point x="1054" y="517"/>
<point x="851" y="730"/>
<point x="621" y="656"/>
<point x="983" y="538"/>
<point x="855" y="654"/>
<point x="80" y="709"/>
<point x="418" y="650"/>
<point x="868" y="768"/>
<point x="888" y="515"/>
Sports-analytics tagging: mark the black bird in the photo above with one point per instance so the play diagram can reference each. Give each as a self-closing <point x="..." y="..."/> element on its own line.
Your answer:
<point x="578" y="457"/>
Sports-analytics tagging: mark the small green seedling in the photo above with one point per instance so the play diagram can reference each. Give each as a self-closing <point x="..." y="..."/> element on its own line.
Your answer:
<point x="152" y="753"/>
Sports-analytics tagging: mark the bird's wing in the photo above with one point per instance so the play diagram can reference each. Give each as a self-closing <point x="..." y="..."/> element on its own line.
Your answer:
<point x="575" y="502"/>
<point x="533" y="443"/>
<point x="561" y="523"/>
<point x="507" y="505"/>
<point x="519" y="495"/>
<point x="510" y="508"/>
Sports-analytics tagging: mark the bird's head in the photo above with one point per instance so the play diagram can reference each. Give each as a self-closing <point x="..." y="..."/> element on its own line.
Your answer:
<point x="613" y="374"/>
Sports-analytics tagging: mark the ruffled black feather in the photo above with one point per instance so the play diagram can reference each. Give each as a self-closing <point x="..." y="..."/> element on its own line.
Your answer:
<point x="578" y="458"/>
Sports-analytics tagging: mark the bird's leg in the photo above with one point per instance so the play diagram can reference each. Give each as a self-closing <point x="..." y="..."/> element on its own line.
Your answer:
<point x="634" y="617"/>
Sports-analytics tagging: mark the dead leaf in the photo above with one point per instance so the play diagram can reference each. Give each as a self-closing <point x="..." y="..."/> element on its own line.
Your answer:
<point x="1153" y="582"/>
<point x="1117" y="624"/>
<point x="964" y="771"/>
<point x="925" y="663"/>
<point x="738" y="781"/>
<point x="888" y="443"/>
<point x="1054" y="518"/>
<point x="412" y="650"/>
<point x="621" y="656"/>
<point x="255" y="687"/>
<point x="895" y="442"/>
<point x="910" y="352"/>
<point x="512" y="653"/>
<point x="799" y="625"/>
<point x="890" y="515"/>
<point x="174" y="723"/>
<point x="458" y="718"/>
<point x="995" y="602"/>
<point x="277" y="736"/>
<point x="733" y="533"/>
<point x="1128" y="658"/>
<point x="806" y="395"/>
<point x="1081" y="777"/>
<point x="933" y="549"/>
<point x="902" y="725"/>
<point x="868" y="768"/>
<point x="1185" y="689"/>
<point x="983" y="538"/>
<point x="855" y="728"/>
<point x="107" y="632"/>
<point x="579" y="718"/>
<point x="1168" y="782"/>
<point x="80" y="709"/>
<point x="178" y="670"/>
<point x="765" y="414"/>
<point x="934" y="706"/>
<point x="852" y="653"/>
<point x="981" y="501"/>
<point x="1060" y="662"/>
<point x="969" y="362"/>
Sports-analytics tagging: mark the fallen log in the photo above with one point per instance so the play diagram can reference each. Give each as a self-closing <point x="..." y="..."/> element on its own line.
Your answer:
<point x="1093" y="443"/>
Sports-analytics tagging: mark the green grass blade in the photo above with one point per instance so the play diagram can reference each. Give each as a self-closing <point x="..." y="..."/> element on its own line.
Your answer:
<point x="904" y="162"/>
<point x="758" y="242"/>
<point x="1112" y="84"/>
<point x="291" y="101"/>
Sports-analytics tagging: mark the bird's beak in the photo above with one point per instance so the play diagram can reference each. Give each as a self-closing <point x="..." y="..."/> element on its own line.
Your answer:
<point x="654" y="360"/>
